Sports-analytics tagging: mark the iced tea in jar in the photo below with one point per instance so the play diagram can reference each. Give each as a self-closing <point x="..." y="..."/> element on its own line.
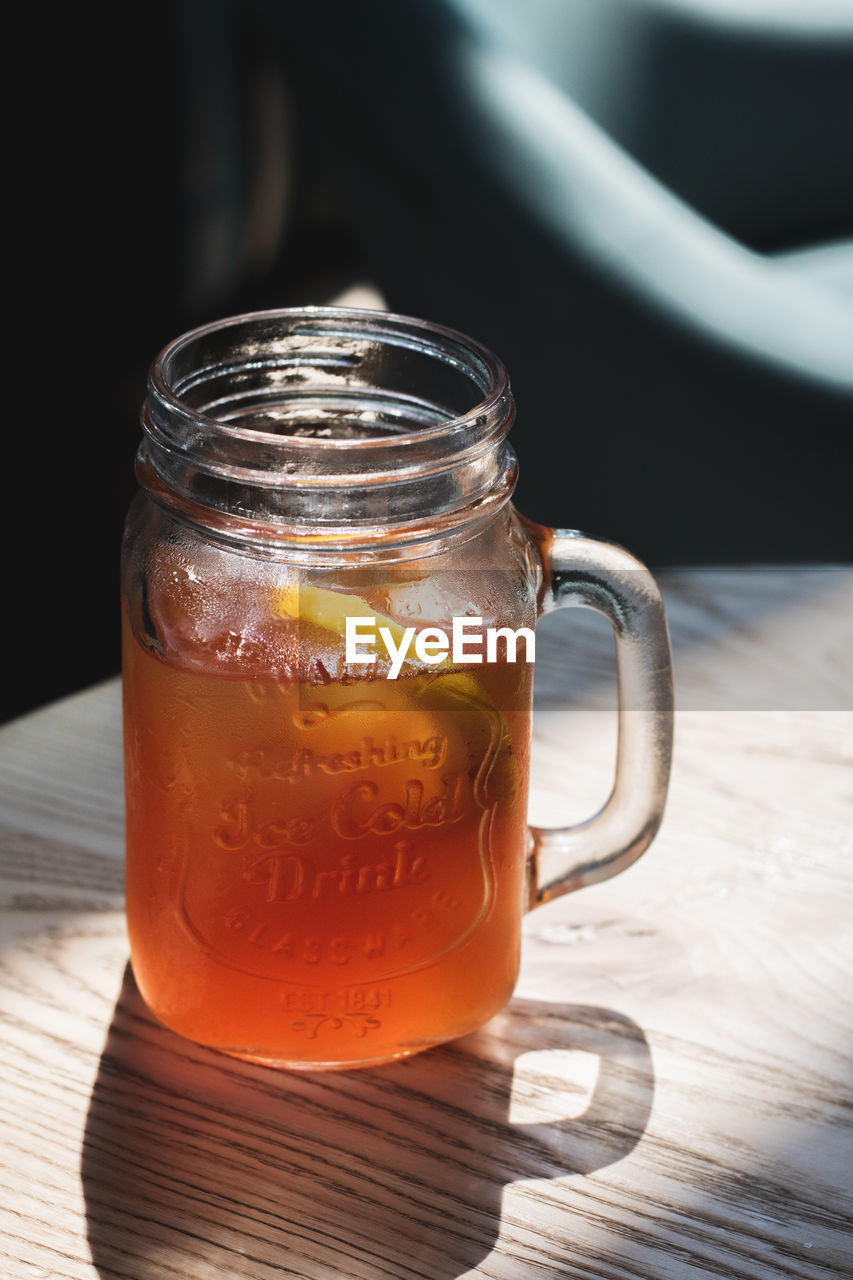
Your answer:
<point x="329" y="613"/>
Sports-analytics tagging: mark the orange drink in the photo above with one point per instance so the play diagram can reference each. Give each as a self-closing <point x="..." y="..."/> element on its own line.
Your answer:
<point x="340" y="862"/>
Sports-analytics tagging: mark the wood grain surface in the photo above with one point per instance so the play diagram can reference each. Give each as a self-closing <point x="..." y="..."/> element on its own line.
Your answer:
<point x="668" y="1096"/>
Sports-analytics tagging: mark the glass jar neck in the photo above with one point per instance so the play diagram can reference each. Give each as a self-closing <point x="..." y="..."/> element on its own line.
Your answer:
<point x="335" y="428"/>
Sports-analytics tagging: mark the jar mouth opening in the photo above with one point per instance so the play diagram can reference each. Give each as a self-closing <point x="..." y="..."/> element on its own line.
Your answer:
<point x="322" y="417"/>
<point x="312" y="379"/>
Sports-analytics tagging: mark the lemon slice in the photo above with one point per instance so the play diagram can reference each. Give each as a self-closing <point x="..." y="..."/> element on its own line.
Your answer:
<point x="458" y="693"/>
<point x="439" y="690"/>
<point x="330" y="609"/>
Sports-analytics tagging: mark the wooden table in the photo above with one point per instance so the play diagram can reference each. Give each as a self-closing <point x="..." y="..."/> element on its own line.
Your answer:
<point x="668" y="1096"/>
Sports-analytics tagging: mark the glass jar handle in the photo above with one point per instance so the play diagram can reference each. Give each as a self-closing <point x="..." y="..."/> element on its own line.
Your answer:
<point x="602" y="576"/>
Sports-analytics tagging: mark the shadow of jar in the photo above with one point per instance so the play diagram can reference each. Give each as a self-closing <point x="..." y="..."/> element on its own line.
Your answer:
<point x="199" y="1165"/>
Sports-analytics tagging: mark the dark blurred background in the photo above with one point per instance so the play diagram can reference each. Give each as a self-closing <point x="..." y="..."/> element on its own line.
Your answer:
<point x="645" y="207"/>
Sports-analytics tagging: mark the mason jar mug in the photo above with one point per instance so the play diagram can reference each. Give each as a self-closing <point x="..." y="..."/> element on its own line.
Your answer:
<point x="329" y="609"/>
